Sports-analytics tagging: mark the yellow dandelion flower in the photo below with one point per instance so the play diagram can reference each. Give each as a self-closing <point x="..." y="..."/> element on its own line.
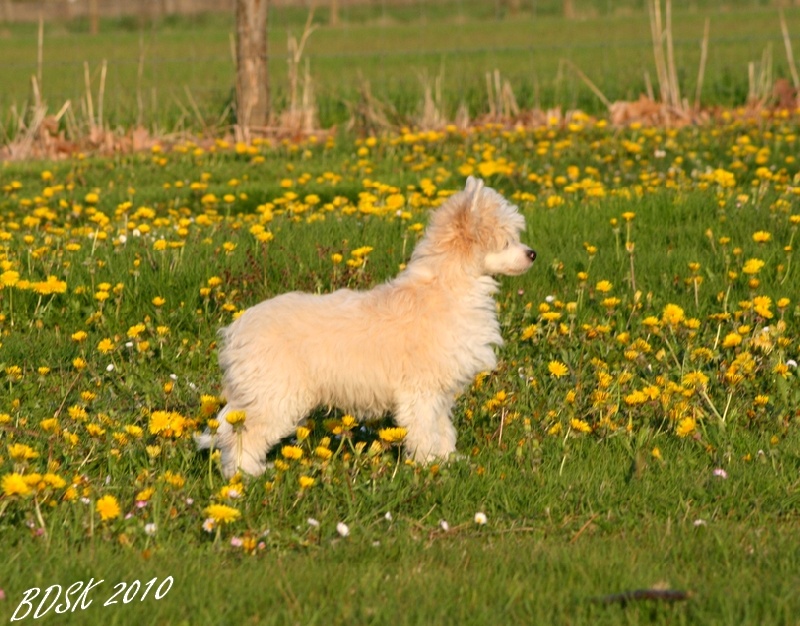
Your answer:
<point x="694" y="379"/>
<point x="761" y="236"/>
<point x="321" y="452"/>
<point x="208" y="404"/>
<point x="392" y="435"/>
<point x="167" y="423"/>
<point x="635" y="398"/>
<point x="105" y="346"/>
<point x="20" y="452"/>
<point x="580" y="425"/>
<point x="686" y="427"/>
<point x="306" y="482"/>
<point x="222" y="513"/>
<point x="144" y="495"/>
<point x="14" y="485"/>
<point x="94" y="430"/>
<point x="672" y="315"/>
<point x="54" y="480"/>
<point x="9" y="278"/>
<point x="173" y="479"/>
<point x="604" y="286"/>
<point x="108" y="508"/>
<point x="136" y="330"/>
<point x="49" y="424"/>
<point x="235" y="418"/>
<point x="557" y="369"/>
<point x="134" y="431"/>
<point x="781" y="369"/>
<point x="362" y="251"/>
<point x="761" y="305"/>
<point x="159" y="422"/>
<point x="731" y="340"/>
<point x="292" y="452"/>
<point x="650" y="322"/>
<point x="752" y="266"/>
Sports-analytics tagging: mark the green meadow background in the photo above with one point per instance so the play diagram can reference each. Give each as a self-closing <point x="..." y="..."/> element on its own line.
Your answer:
<point x="640" y="433"/>
<point x="177" y="73"/>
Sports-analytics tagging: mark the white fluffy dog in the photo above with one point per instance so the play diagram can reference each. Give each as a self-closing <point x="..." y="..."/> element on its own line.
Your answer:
<point x="408" y="346"/>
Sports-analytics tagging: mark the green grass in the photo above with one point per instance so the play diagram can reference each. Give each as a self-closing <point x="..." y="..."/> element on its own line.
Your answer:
<point x="559" y="537"/>
<point x="188" y="64"/>
<point x="586" y="494"/>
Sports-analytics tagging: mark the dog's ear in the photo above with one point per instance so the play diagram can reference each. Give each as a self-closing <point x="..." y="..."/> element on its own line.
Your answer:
<point x="473" y="189"/>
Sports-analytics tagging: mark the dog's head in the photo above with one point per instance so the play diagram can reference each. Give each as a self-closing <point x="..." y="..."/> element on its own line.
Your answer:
<point x="480" y="230"/>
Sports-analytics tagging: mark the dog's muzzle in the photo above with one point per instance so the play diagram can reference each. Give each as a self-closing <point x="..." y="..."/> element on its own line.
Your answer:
<point x="531" y="254"/>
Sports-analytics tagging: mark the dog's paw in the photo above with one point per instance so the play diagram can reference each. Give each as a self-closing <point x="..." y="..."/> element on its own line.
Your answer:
<point x="204" y="440"/>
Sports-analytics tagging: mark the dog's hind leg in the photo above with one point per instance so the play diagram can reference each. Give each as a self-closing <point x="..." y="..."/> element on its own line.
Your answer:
<point x="247" y="449"/>
<point x="429" y="430"/>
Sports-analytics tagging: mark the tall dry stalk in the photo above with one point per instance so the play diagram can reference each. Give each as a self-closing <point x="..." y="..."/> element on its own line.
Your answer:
<point x="139" y="82"/>
<point x="88" y="101"/>
<point x="502" y="101"/>
<point x="432" y="114"/>
<point x="301" y="113"/>
<point x="462" y="119"/>
<point x="101" y="93"/>
<point x="702" y="69"/>
<point x="675" y="90"/>
<point x="368" y="113"/>
<point x="787" y="43"/>
<point x="664" y="59"/>
<point x="40" y="50"/>
<point x="94" y="118"/>
<point x="759" y="79"/>
<point x="588" y="82"/>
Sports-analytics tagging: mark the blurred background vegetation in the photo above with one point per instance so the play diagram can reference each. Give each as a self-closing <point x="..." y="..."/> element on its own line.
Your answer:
<point x="168" y="65"/>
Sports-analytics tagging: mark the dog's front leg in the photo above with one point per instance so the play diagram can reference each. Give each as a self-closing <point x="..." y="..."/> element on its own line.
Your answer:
<point x="430" y="432"/>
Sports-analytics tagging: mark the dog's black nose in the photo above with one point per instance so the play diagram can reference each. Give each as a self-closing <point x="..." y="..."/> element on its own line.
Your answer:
<point x="532" y="255"/>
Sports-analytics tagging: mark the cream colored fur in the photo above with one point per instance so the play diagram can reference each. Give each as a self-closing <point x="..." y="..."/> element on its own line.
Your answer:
<point x="406" y="347"/>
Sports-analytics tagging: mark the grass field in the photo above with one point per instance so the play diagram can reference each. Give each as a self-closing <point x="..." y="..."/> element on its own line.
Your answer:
<point x="640" y="431"/>
<point x="178" y="74"/>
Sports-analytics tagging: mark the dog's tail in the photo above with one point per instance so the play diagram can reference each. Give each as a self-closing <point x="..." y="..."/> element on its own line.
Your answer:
<point x="207" y="439"/>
